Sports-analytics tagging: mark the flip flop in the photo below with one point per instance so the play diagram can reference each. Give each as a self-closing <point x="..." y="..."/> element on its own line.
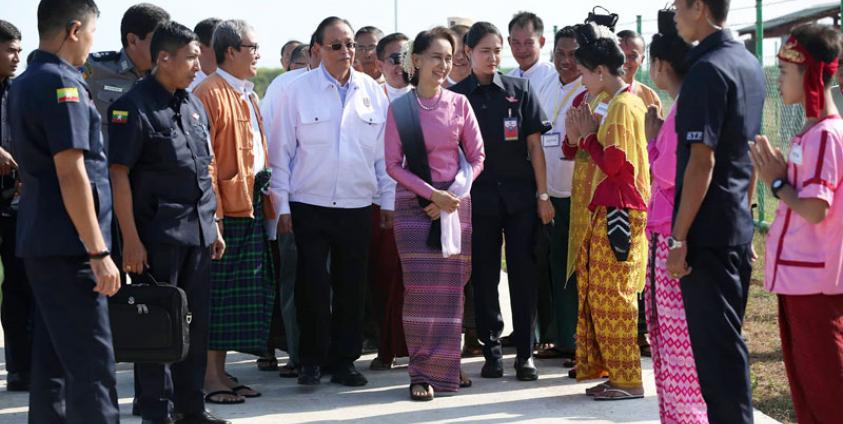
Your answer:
<point x="232" y="378"/>
<point x="604" y="395"/>
<point x="465" y="382"/>
<point x="600" y="388"/>
<point x="209" y="398"/>
<point x="424" y="398"/>
<point x="472" y="351"/>
<point x="379" y="364"/>
<point x="269" y="363"/>
<point x="245" y="387"/>
<point x="547" y="353"/>
<point x="288" y="371"/>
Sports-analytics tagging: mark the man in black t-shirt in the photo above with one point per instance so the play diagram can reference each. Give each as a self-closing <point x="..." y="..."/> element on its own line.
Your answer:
<point x="719" y="109"/>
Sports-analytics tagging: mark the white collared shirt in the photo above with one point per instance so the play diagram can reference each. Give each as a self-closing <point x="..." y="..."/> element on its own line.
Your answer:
<point x="327" y="154"/>
<point x="200" y="76"/>
<point x="537" y="74"/>
<point x="247" y="93"/>
<point x="556" y="99"/>
<point x="393" y="93"/>
<point x="273" y="96"/>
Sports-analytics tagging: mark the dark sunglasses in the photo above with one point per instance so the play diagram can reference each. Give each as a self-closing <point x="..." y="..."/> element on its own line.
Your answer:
<point x="395" y="59"/>
<point x="351" y="45"/>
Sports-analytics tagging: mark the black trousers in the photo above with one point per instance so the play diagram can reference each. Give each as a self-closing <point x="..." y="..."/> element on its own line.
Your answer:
<point x="17" y="307"/>
<point x="73" y="371"/>
<point x="169" y="388"/>
<point x="330" y="307"/>
<point x="715" y="296"/>
<point x="489" y="230"/>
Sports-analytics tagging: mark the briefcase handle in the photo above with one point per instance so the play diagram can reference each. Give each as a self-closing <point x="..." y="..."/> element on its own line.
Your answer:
<point x="151" y="281"/>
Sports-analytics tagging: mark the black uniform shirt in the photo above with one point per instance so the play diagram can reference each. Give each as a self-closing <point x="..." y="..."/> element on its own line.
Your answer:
<point x="720" y="105"/>
<point x="507" y="173"/>
<point x="163" y="139"/>
<point x="50" y="111"/>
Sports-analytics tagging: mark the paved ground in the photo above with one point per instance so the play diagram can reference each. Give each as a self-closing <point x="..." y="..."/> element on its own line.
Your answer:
<point x="553" y="399"/>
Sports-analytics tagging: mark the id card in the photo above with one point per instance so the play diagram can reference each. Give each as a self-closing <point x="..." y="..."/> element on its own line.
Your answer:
<point x="551" y="140"/>
<point x="601" y="111"/>
<point x="796" y="154"/>
<point x="510" y="129"/>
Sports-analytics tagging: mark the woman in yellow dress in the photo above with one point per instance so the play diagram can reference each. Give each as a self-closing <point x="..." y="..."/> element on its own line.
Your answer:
<point x="612" y="258"/>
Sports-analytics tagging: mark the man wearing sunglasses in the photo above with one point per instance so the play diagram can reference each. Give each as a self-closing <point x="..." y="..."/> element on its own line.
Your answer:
<point x="365" y="59"/>
<point x="327" y="166"/>
<point x="385" y="278"/>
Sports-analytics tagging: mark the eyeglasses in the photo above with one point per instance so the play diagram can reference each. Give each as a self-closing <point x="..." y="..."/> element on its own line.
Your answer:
<point x="394" y="59"/>
<point x="368" y="48"/>
<point x="253" y="48"/>
<point x="351" y="45"/>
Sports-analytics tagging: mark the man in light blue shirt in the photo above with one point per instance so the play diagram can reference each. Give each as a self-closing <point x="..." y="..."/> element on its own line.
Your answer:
<point x="327" y="165"/>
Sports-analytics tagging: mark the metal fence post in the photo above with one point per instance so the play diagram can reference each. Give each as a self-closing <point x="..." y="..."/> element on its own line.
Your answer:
<point x="759" y="53"/>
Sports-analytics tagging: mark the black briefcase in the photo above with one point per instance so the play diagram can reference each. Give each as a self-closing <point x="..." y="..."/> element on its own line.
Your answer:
<point x="150" y="322"/>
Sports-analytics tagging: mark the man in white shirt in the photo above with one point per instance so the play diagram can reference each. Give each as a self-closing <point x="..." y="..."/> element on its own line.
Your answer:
<point x="389" y="61"/>
<point x="526" y="40"/>
<point x="287" y="53"/>
<point x="286" y="258"/>
<point x="367" y="39"/>
<point x="557" y="310"/>
<point x="207" y="61"/>
<point x="327" y="166"/>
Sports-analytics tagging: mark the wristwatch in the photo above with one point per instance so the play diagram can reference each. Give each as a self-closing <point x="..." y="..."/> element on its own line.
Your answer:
<point x="544" y="197"/>
<point x="777" y="185"/>
<point x="673" y="244"/>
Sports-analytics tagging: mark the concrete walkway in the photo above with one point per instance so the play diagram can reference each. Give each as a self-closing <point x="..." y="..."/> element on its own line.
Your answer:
<point x="554" y="398"/>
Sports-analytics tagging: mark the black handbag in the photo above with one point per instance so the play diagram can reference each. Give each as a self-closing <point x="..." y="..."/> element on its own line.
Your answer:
<point x="150" y="322"/>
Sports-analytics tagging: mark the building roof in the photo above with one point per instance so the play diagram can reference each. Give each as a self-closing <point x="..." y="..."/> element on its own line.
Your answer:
<point x="782" y="25"/>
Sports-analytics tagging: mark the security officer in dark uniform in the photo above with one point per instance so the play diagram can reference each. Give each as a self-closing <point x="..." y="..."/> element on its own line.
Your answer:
<point x="719" y="108"/>
<point x="160" y="157"/>
<point x="111" y="74"/>
<point x="63" y="232"/>
<point x="506" y="199"/>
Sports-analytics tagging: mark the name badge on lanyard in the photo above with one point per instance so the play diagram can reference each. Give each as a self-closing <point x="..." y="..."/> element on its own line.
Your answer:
<point x="796" y="154"/>
<point x="551" y="140"/>
<point x="510" y="127"/>
<point x="601" y="111"/>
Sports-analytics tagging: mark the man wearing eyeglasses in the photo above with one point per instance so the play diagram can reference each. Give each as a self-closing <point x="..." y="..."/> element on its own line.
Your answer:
<point x="242" y="282"/>
<point x="327" y="166"/>
<point x="365" y="59"/>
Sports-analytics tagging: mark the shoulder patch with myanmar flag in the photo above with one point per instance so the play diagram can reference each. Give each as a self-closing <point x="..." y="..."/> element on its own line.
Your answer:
<point x="119" y="116"/>
<point x="67" y="95"/>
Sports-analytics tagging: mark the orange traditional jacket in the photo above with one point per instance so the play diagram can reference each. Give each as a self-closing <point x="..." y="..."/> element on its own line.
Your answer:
<point x="232" y="171"/>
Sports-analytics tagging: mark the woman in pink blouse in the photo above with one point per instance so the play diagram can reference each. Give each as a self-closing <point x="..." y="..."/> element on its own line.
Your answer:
<point x="434" y="167"/>
<point x="804" y="261"/>
<point x="677" y="382"/>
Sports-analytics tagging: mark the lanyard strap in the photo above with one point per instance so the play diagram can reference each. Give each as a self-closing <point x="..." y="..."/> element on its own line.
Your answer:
<point x="565" y="100"/>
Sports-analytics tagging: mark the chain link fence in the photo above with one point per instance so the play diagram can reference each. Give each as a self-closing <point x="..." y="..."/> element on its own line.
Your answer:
<point x="780" y="123"/>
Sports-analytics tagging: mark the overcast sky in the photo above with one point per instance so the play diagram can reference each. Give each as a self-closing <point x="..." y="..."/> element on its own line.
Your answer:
<point x="278" y="21"/>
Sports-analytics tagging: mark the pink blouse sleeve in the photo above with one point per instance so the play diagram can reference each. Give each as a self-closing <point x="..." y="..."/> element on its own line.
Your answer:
<point x="664" y="162"/>
<point x="394" y="156"/>
<point x="823" y="162"/>
<point x="471" y="139"/>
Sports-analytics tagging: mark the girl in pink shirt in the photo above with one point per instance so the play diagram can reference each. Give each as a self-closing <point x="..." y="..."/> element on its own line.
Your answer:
<point x="805" y="244"/>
